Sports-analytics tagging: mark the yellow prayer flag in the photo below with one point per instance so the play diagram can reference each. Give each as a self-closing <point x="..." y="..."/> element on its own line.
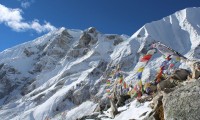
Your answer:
<point x="140" y="69"/>
<point x="178" y="58"/>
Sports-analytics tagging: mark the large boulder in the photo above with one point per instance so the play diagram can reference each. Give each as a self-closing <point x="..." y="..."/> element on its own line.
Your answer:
<point x="180" y="74"/>
<point x="183" y="103"/>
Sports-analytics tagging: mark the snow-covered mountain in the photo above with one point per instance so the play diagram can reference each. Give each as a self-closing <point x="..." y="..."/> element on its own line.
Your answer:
<point x="65" y="71"/>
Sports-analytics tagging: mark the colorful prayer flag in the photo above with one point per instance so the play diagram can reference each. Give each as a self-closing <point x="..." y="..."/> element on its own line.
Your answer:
<point x="146" y="58"/>
<point x="108" y="82"/>
<point x="139" y="75"/>
<point x="140" y="69"/>
<point x="108" y="90"/>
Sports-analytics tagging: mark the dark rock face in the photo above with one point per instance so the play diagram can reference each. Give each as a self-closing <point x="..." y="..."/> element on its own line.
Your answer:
<point x="6" y="79"/>
<point x="27" y="52"/>
<point x="183" y="103"/>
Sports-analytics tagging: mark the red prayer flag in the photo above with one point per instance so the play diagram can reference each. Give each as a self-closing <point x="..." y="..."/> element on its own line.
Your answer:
<point x="145" y="58"/>
<point x="171" y="65"/>
<point x="108" y="90"/>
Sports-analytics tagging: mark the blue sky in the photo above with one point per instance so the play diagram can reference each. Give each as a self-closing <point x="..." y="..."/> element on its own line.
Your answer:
<point x="24" y="20"/>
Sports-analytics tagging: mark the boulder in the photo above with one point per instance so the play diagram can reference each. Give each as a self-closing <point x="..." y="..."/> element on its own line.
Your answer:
<point x="165" y="84"/>
<point x="121" y="100"/>
<point x="196" y="70"/>
<point x="180" y="74"/>
<point x="183" y="103"/>
<point x="153" y="88"/>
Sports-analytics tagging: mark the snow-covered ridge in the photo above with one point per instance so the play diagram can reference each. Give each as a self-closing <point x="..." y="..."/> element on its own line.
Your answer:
<point x="49" y="70"/>
<point x="65" y="70"/>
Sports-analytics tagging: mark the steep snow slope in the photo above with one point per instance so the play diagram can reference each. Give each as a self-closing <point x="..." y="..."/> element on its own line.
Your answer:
<point x="59" y="71"/>
<point x="65" y="70"/>
<point x="179" y="31"/>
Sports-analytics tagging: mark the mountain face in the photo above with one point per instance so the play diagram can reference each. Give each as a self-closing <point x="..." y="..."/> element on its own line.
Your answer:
<point x="65" y="71"/>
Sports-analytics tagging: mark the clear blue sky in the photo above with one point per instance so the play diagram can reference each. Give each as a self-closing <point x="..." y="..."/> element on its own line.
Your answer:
<point x="108" y="16"/>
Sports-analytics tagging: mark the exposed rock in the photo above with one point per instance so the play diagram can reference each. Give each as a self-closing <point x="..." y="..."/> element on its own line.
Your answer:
<point x="6" y="80"/>
<point x="81" y="95"/>
<point x="27" y="52"/>
<point x="117" y="41"/>
<point x="145" y="99"/>
<point x="155" y="101"/>
<point x="153" y="88"/>
<point x="122" y="99"/>
<point x="196" y="70"/>
<point x="85" y="39"/>
<point x="99" y="69"/>
<point x="183" y="103"/>
<point x="165" y="84"/>
<point x="180" y="74"/>
<point x="92" y="30"/>
<point x="157" y="113"/>
<point x="74" y="53"/>
<point x="6" y="86"/>
<point x="114" y="110"/>
<point x="111" y="37"/>
<point x="92" y="117"/>
<point x="26" y="88"/>
<point x="143" y="114"/>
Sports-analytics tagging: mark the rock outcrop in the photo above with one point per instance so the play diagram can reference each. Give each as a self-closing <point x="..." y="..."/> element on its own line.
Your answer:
<point x="183" y="103"/>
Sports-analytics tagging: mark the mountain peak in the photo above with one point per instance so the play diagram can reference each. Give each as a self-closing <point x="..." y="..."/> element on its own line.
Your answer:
<point x="66" y="70"/>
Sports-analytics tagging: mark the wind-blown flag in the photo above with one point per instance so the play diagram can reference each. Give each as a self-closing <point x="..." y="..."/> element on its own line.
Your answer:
<point x="108" y="82"/>
<point x="108" y="91"/>
<point x="139" y="75"/>
<point x="165" y="50"/>
<point x="137" y="90"/>
<point x="146" y="58"/>
<point x="120" y="79"/>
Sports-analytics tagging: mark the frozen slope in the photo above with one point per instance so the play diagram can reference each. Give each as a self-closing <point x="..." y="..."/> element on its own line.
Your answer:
<point x="179" y="31"/>
<point x="59" y="71"/>
<point x="64" y="72"/>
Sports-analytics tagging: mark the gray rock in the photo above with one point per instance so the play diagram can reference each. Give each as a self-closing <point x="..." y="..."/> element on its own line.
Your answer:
<point x="27" y="52"/>
<point x="165" y="85"/>
<point x="81" y="95"/>
<point x="157" y="105"/>
<point x="180" y="74"/>
<point x="122" y="99"/>
<point x="85" y="39"/>
<point x="117" y="41"/>
<point x="183" y="103"/>
<point x="93" y="116"/>
<point x="6" y="80"/>
<point x="92" y="30"/>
